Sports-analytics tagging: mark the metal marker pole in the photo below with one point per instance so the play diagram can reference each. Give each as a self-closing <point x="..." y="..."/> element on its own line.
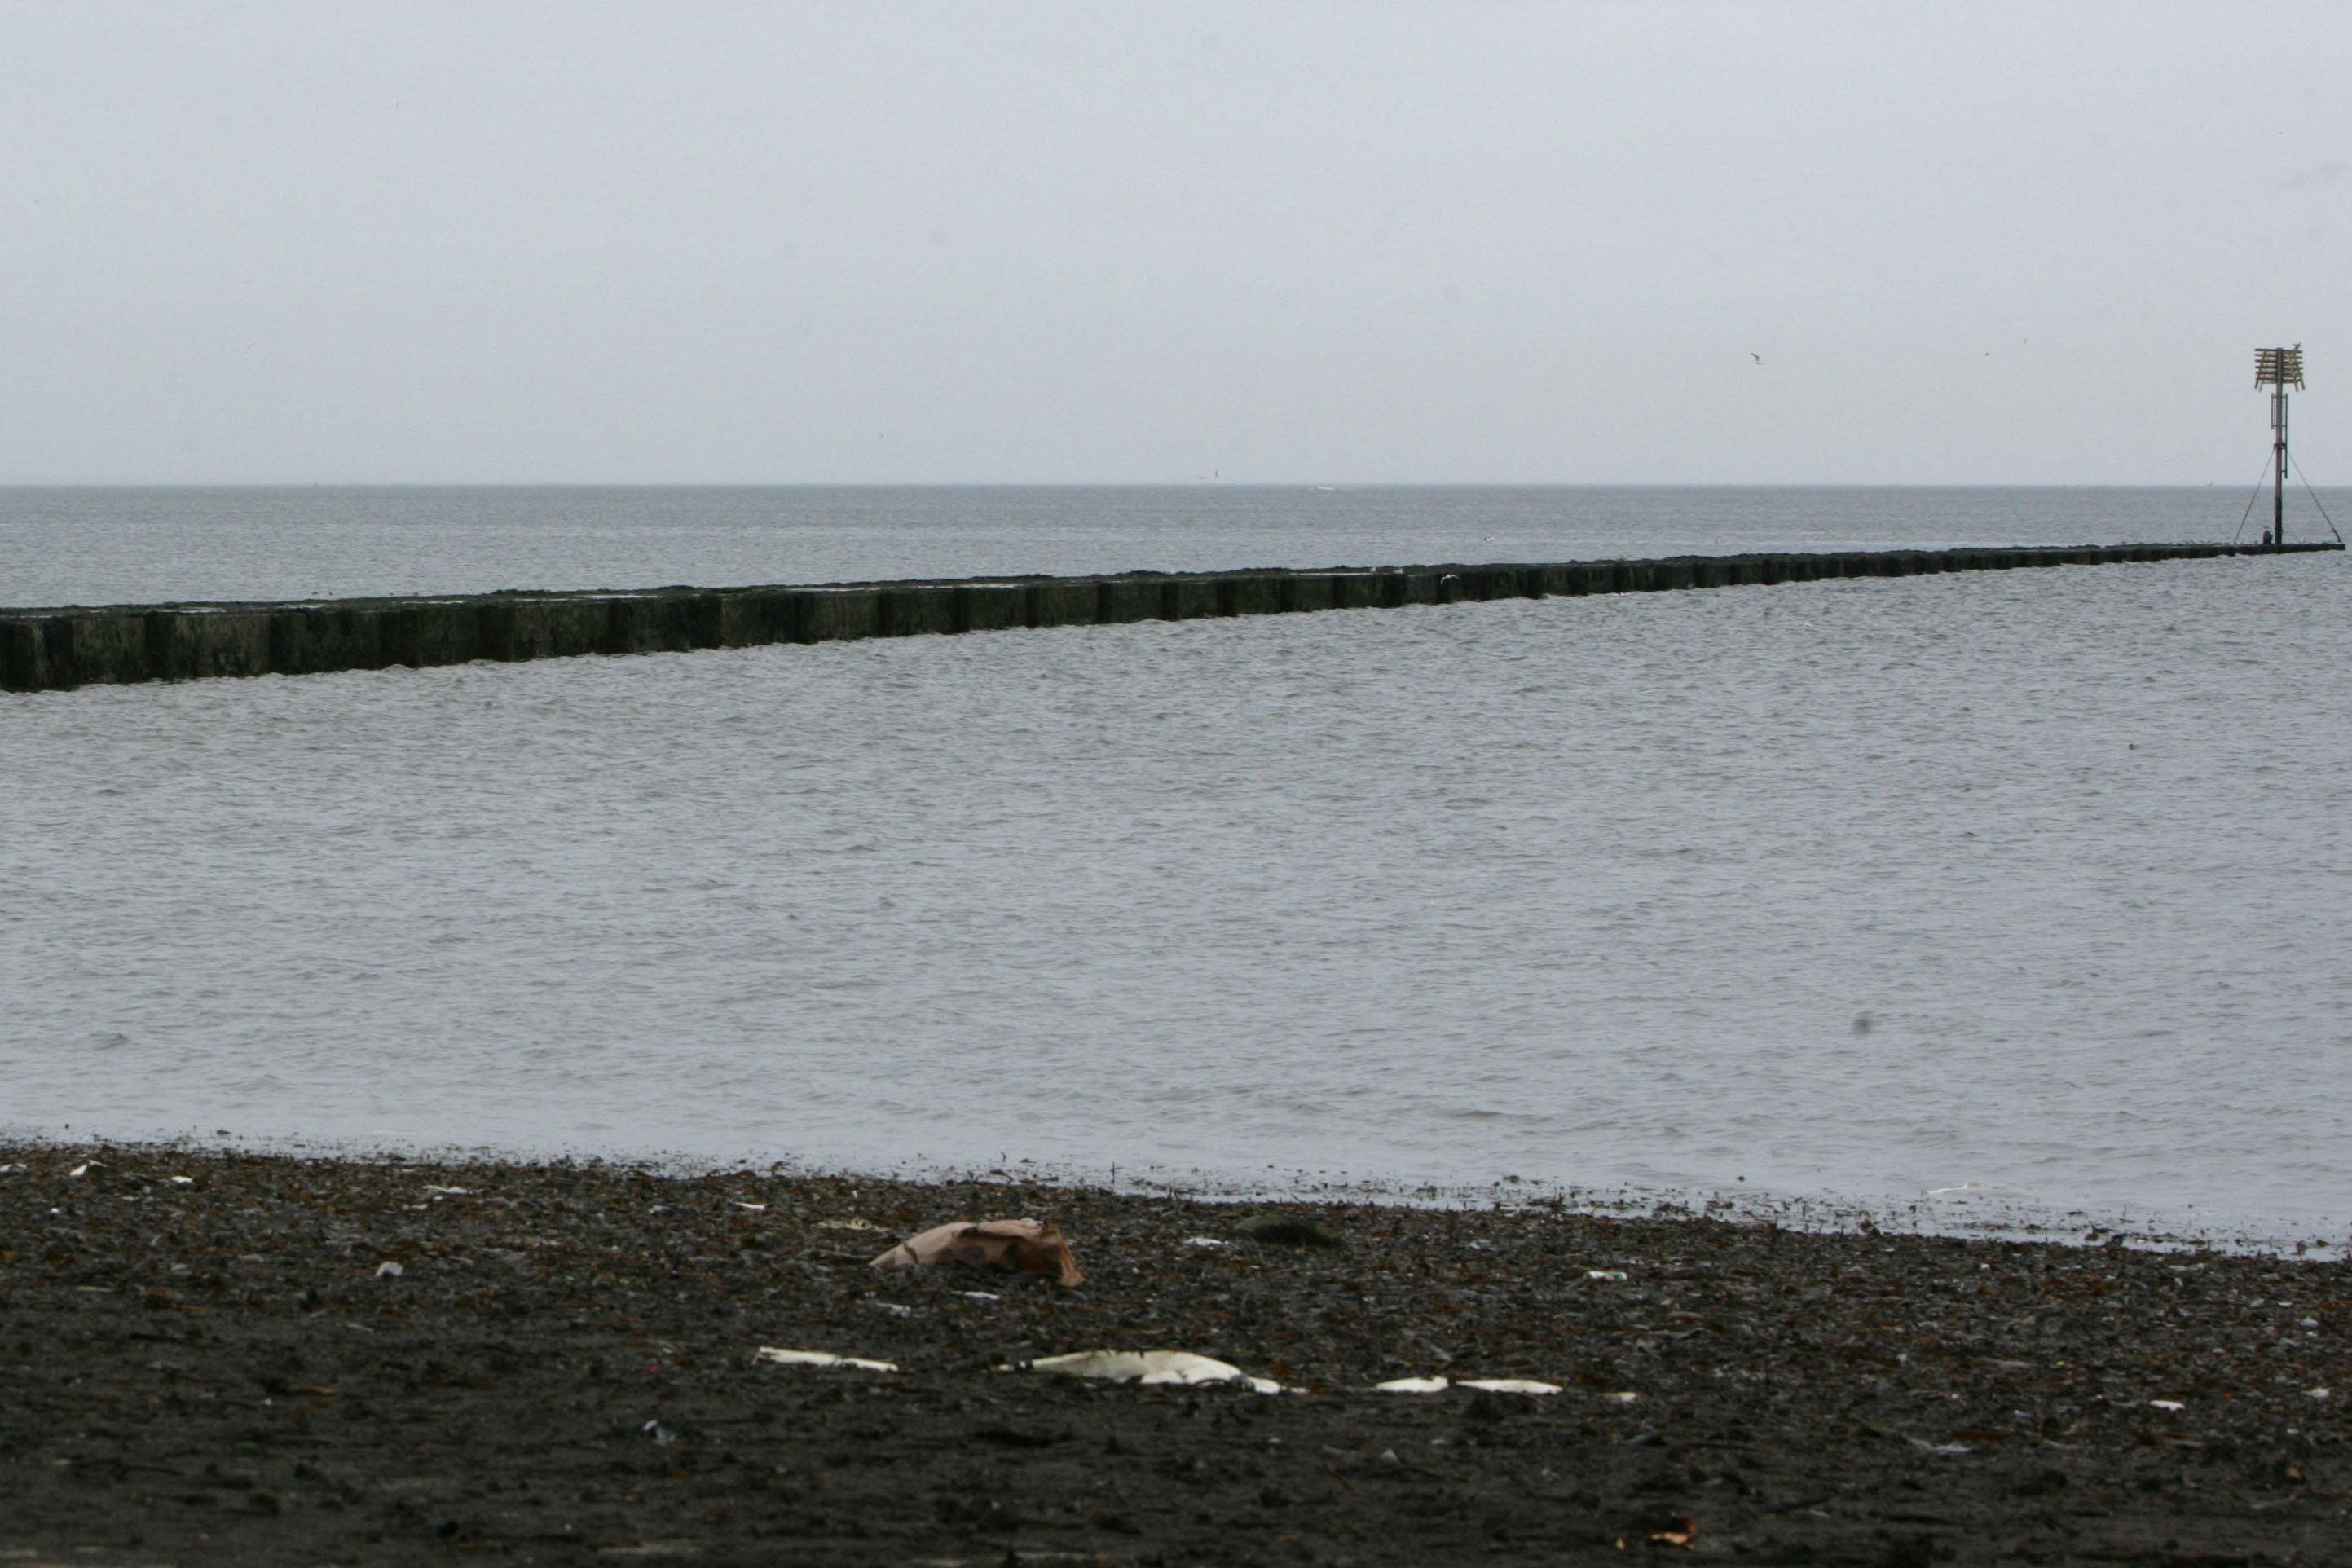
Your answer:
<point x="2278" y="369"/>
<point x="2278" y="484"/>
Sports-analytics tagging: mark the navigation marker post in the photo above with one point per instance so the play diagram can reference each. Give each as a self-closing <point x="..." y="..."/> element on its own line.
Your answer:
<point x="2278" y="369"/>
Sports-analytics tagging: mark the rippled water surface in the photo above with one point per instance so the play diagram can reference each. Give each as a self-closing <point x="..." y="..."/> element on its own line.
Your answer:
<point x="1871" y="887"/>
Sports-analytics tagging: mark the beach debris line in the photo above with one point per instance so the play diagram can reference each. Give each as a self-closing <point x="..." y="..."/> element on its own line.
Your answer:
<point x="780" y="1356"/>
<point x="1020" y="1246"/>
<point x="1145" y="1367"/>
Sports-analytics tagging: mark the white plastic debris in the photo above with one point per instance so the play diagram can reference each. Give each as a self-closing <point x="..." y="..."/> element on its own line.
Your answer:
<point x="181" y="1181"/>
<point x="753" y="1209"/>
<point x="1622" y="1396"/>
<point x="2317" y="1394"/>
<point x="388" y="1269"/>
<point x="445" y="1191"/>
<point x="1205" y="1241"/>
<point x="819" y="1358"/>
<point x="1145" y="1366"/>
<point x="2167" y="1404"/>
<point x="1604" y="1274"/>
<point x="85" y="1168"/>
<point x="17" y="1169"/>
<point x="980" y="1295"/>
<point x="1483" y="1384"/>
<point x="1508" y="1385"/>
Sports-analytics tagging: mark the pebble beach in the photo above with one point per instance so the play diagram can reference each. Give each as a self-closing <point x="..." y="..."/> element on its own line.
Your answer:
<point x="214" y="1356"/>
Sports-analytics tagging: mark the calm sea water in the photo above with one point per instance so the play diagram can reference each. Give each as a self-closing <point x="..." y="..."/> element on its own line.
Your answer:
<point x="2032" y="882"/>
<point x="97" y="547"/>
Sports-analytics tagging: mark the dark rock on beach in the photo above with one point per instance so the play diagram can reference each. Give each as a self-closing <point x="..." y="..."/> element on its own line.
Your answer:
<point x="1284" y="1230"/>
<point x="207" y="1357"/>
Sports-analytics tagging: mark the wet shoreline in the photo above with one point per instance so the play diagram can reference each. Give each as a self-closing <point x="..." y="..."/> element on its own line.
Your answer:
<point x="207" y="1359"/>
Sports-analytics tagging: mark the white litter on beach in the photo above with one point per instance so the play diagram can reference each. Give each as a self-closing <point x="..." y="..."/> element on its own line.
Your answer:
<point x="1622" y="1396"/>
<point x="1145" y="1366"/>
<point x="1508" y="1385"/>
<point x="2167" y="1404"/>
<point x="820" y="1358"/>
<point x="1604" y="1274"/>
<point x="1483" y="1384"/>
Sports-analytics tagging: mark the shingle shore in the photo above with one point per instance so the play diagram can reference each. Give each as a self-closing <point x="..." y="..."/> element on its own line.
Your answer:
<point x="202" y="1358"/>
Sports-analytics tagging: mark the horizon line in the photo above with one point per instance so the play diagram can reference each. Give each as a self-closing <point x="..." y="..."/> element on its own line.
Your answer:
<point x="1110" y="484"/>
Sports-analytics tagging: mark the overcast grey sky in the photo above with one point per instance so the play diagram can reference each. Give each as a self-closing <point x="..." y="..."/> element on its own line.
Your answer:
<point x="1284" y="240"/>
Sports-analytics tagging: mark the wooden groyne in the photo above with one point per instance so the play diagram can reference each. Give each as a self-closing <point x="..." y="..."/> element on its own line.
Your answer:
<point x="58" y="648"/>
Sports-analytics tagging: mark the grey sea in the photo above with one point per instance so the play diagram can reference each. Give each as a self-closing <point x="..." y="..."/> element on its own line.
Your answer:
<point x="1998" y="898"/>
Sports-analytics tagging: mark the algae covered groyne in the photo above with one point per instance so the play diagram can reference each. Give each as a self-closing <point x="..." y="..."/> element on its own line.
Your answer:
<point x="58" y="648"/>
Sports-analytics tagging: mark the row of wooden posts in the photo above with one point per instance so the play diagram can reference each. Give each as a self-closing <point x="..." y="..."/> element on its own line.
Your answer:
<point x="59" y="648"/>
